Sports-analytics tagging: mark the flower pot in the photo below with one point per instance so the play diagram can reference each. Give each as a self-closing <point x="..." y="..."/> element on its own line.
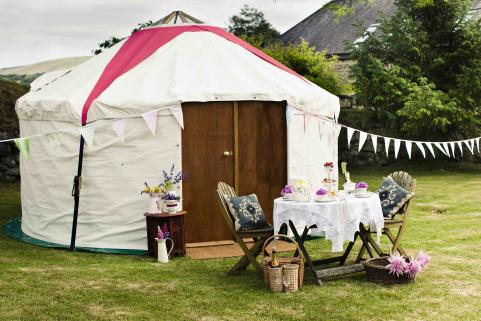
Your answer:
<point x="288" y="196"/>
<point x="361" y="191"/>
<point x="154" y="203"/>
<point x="162" y="253"/>
<point x="171" y="206"/>
<point x="322" y="198"/>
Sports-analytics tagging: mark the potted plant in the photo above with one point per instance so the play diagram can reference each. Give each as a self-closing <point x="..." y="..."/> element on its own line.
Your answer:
<point x="171" y="179"/>
<point x="287" y="192"/>
<point x="361" y="188"/>
<point x="155" y="192"/>
<point x="171" y="202"/>
<point x="322" y="195"/>
<point x="395" y="268"/>
<point x="162" y="236"/>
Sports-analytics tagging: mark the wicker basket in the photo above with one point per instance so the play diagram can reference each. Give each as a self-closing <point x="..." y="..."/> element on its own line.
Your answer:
<point x="377" y="272"/>
<point x="288" y="272"/>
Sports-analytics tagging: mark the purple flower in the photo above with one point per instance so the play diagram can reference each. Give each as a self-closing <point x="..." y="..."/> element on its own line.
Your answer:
<point x="160" y="235"/>
<point x="165" y="231"/>
<point x="412" y="268"/>
<point x="321" y="192"/>
<point x="288" y="189"/>
<point x="397" y="264"/>
<point x="170" y="197"/>
<point x="423" y="259"/>
<point x="361" y="185"/>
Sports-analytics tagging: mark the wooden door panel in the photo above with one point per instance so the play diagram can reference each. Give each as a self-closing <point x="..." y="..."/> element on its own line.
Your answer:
<point x="262" y="159"/>
<point x="208" y="132"/>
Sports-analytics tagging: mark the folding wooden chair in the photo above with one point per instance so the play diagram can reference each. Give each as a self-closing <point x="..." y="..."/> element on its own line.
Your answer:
<point x="259" y="236"/>
<point x="408" y="183"/>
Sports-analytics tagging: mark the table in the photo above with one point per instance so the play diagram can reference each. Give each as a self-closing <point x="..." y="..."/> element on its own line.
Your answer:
<point x="175" y="225"/>
<point x="343" y="219"/>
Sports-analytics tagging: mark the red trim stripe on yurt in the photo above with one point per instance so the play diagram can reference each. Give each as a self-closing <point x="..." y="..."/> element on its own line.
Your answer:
<point x="145" y="42"/>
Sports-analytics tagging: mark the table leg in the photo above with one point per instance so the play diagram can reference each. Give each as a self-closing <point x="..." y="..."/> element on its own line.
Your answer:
<point x="300" y="242"/>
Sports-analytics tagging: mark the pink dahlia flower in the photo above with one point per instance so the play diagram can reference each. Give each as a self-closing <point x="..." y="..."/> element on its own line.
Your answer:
<point x="423" y="259"/>
<point x="413" y="268"/>
<point x="397" y="264"/>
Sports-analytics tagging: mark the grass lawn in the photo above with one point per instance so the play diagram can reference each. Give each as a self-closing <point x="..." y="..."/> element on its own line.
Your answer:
<point x="47" y="284"/>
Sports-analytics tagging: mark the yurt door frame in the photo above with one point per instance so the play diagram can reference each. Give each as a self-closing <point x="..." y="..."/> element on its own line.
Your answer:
<point x="241" y="143"/>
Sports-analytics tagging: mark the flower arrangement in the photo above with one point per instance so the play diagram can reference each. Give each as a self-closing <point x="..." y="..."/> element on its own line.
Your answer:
<point x="399" y="266"/>
<point x="156" y="189"/>
<point x="163" y="233"/>
<point x="288" y="189"/>
<point x="361" y="185"/>
<point x="170" y="197"/>
<point x="172" y="178"/>
<point x="328" y="165"/>
<point x="321" y="192"/>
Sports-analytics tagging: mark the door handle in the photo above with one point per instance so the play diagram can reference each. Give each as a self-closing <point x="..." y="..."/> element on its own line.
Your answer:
<point x="227" y="154"/>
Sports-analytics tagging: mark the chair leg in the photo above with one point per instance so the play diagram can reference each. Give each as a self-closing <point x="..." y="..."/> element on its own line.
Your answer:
<point x="395" y="240"/>
<point x="361" y="254"/>
<point x="249" y="256"/>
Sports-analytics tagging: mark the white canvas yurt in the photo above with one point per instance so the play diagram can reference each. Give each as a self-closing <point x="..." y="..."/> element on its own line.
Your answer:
<point x="190" y="94"/>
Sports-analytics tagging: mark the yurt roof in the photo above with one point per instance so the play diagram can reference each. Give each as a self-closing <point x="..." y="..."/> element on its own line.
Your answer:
<point x="185" y="63"/>
<point x="176" y="17"/>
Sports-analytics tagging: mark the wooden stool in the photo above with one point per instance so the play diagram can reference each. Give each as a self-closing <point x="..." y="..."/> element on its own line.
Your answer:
<point x="175" y="225"/>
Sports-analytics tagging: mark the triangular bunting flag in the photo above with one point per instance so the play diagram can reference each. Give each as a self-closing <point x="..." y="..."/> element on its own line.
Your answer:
<point x="431" y="149"/>
<point x="179" y="116"/>
<point x="23" y="145"/>
<point x="453" y="150"/>
<point x="441" y="148"/>
<point x="397" y="144"/>
<point x="409" y="146"/>
<point x="289" y="114"/>
<point x="460" y="145"/>
<point x="151" y="120"/>
<point x="446" y="148"/>
<point x="386" y="145"/>
<point x="477" y="143"/>
<point x="119" y="128"/>
<point x="362" y="139"/>
<point x="421" y="148"/>
<point x="374" y="143"/>
<point x="87" y="133"/>
<point x="350" y="132"/>
<point x="470" y="144"/>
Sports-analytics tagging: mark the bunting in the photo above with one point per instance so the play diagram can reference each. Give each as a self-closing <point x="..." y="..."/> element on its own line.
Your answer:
<point x="23" y="144"/>
<point x="87" y="133"/>
<point x="119" y="128"/>
<point x="362" y="139"/>
<point x="150" y="119"/>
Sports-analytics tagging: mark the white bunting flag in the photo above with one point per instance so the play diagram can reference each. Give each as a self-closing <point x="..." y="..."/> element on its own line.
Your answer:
<point x="362" y="139"/>
<point x="431" y="149"/>
<point x="87" y="133"/>
<point x="150" y="119"/>
<point x="374" y="143"/>
<point x="453" y="149"/>
<point x="397" y="144"/>
<point x="178" y="115"/>
<point x="119" y="128"/>
<point x="441" y="148"/>
<point x="470" y="144"/>
<point x="290" y="114"/>
<point x="409" y="146"/>
<point x="460" y="145"/>
<point x="23" y="145"/>
<point x="421" y="148"/>
<point x="350" y="132"/>
<point x="477" y="144"/>
<point x="386" y="145"/>
<point x="446" y="148"/>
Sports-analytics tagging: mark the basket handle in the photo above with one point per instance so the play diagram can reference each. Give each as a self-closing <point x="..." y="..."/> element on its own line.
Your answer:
<point x="282" y="236"/>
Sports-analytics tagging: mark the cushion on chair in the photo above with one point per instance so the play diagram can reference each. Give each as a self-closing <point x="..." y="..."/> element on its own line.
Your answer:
<point x="247" y="212"/>
<point x="393" y="197"/>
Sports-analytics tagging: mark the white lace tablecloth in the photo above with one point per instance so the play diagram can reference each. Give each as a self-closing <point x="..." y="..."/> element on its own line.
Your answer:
<point x="339" y="219"/>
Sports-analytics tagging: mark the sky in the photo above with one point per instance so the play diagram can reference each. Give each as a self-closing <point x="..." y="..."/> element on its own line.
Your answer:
<point x="37" y="30"/>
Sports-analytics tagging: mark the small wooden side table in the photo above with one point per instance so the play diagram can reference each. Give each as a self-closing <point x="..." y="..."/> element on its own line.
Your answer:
<point x="175" y="225"/>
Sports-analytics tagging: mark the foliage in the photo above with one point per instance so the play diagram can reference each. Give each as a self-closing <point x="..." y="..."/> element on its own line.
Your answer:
<point x="251" y="25"/>
<point x="311" y="64"/>
<point x="114" y="40"/>
<point x="21" y="79"/>
<point x="9" y="93"/>
<point x="422" y="67"/>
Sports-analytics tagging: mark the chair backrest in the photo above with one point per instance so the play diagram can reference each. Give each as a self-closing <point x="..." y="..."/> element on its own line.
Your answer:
<point x="408" y="183"/>
<point x="226" y="189"/>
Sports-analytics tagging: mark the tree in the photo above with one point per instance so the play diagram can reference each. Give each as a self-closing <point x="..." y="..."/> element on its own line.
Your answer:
<point x="311" y="64"/>
<point x="251" y="25"/>
<point x="421" y="70"/>
<point x="113" y="40"/>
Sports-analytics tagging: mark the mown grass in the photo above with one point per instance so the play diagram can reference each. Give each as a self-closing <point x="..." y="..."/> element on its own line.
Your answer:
<point x="47" y="284"/>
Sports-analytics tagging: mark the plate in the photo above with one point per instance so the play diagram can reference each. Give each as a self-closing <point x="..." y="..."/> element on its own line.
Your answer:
<point x="326" y="200"/>
<point x="363" y="195"/>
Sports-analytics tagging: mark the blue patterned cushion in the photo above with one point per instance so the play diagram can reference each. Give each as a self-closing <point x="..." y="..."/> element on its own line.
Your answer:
<point x="247" y="212"/>
<point x="392" y="196"/>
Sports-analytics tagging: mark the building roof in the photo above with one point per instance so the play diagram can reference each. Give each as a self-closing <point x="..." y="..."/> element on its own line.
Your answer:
<point x="326" y="31"/>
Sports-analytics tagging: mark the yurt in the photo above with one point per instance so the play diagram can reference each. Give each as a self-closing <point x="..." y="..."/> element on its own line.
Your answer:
<point x="188" y="94"/>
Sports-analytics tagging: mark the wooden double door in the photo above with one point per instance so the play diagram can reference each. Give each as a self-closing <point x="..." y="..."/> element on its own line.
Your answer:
<point x="241" y="143"/>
